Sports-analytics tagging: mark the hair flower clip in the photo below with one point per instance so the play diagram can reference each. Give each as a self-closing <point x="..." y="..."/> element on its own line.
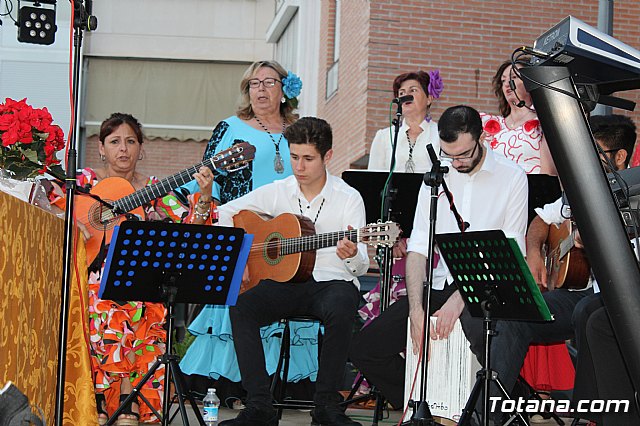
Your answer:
<point x="436" y="86"/>
<point x="291" y="85"/>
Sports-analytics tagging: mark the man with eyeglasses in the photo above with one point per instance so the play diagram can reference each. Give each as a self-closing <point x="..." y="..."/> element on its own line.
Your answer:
<point x="490" y="192"/>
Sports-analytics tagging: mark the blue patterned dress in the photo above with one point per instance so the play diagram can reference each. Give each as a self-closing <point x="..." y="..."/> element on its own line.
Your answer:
<point x="212" y="353"/>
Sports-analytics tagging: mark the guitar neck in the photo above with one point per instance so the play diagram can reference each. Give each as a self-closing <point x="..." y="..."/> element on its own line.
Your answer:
<point x="316" y="242"/>
<point x="157" y="190"/>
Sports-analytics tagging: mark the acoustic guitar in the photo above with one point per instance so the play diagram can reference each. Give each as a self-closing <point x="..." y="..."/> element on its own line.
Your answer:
<point x="567" y="265"/>
<point x="100" y="220"/>
<point x="284" y="247"/>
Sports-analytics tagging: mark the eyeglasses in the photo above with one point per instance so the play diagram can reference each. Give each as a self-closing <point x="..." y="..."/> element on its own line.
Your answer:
<point x="463" y="157"/>
<point x="606" y="151"/>
<point x="254" y="83"/>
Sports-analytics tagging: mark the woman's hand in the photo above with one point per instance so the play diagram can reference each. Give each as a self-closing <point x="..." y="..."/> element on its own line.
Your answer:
<point x="400" y="248"/>
<point x="204" y="177"/>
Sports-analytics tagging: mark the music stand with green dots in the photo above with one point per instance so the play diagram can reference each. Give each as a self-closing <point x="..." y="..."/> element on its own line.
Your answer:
<point x="495" y="283"/>
<point x="170" y="263"/>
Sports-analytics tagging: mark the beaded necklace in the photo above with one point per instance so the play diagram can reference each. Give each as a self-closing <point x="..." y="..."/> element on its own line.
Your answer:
<point x="278" y="164"/>
<point x="317" y="214"/>
<point x="410" y="165"/>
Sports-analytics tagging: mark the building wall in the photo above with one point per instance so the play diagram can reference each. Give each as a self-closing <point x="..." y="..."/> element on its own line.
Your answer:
<point x="346" y="110"/>
<point x="466" y="40"/>
<point x="191" y="32"/>
<point x="212" y="30"/>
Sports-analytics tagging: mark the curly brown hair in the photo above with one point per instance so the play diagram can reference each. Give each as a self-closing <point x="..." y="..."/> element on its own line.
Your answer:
<point x="245" y="111"/>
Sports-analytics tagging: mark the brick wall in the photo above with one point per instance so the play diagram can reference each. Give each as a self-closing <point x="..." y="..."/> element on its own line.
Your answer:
<point x="465" y="39"/>
<point x="346" y="109"/>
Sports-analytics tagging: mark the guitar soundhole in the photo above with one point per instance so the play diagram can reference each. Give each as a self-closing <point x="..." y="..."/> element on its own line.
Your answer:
<point x="101" y="217"/>
<point x="271" y="250"/>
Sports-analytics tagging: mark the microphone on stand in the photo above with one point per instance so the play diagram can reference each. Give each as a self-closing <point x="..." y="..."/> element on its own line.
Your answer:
<point x="402" y="99"/>
<point x="462" y="225"/>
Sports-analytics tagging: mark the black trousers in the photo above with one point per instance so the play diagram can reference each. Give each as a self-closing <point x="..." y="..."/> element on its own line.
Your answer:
<point x="601" y="373"/>
<point x="375" y="349"/>
<point x="333" y="302"/>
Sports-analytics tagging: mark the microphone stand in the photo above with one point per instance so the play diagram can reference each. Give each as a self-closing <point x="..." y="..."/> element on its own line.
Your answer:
<point x="384" y="255"/>
<point x="434" y="178"/>
<point x="82" y="20"/>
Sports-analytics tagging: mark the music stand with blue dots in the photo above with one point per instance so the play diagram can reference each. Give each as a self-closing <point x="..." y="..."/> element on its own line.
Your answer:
<point x="169" y="263"/>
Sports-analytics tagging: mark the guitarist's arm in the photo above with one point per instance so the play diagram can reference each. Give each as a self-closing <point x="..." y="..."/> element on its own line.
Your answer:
<point x="536" y="237"/>
<point x="354" y="256"/>
<point x="204" y="206"/>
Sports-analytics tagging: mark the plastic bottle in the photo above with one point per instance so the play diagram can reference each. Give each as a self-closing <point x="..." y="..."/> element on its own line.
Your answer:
<point x="211" y="405"/>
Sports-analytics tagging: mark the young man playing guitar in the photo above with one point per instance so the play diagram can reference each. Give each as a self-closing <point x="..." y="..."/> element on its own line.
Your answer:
<point x="616" y="136"/>
<point x="331" y="295"/>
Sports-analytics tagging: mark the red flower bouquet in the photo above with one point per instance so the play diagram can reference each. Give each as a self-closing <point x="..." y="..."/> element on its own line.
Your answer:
<point x="29" y="140"/>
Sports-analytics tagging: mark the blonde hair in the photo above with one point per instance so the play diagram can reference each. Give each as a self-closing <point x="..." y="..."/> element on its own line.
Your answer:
<point x="245" y="111"/>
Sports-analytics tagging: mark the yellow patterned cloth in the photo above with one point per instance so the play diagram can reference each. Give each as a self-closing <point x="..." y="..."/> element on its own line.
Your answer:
<point x="31" y="245"/>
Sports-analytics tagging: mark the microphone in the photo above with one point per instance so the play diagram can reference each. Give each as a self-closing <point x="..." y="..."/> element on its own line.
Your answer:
<point x="402" y="99"/>
<point x="512" y="85"/>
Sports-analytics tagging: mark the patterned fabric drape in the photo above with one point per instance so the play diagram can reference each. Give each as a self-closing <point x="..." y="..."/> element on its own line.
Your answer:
<point x="31" y="245"/>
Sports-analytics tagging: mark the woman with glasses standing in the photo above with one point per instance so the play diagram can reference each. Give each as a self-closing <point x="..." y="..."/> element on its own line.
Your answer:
<point x="268" y="99"/>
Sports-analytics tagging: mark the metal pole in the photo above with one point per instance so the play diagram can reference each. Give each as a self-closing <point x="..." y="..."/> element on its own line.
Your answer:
<point x="605" y="24"/>
<point x="593" y="206"/>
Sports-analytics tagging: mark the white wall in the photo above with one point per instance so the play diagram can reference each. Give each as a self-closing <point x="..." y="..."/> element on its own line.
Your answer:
<point x="36" y="72"/>
<point x="211" y="30"/>
<point x="295" y="31"/>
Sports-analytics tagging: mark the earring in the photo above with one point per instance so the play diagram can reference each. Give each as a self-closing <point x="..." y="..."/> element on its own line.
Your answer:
<point x="102" y="157"/>
<point x="141" y="156"/>
<point x="283" y="100"/>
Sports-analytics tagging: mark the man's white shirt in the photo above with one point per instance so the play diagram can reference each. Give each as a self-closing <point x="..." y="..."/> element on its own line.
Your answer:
<point x="495" y="197"/>
<point x="339" y="205"/>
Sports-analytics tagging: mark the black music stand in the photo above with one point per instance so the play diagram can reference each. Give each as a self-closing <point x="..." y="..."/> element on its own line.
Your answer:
<point x="169" y="263"/>
<point x="404" y="198"/>
<point x="495" y="283"/>
<point x="406" y="188"/>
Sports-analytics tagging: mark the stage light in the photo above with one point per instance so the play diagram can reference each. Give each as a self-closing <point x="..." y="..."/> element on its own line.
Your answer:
<point x="37" y="24"/>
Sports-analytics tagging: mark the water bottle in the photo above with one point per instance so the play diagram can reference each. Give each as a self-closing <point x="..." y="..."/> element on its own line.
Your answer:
<point x="211" y="405"/>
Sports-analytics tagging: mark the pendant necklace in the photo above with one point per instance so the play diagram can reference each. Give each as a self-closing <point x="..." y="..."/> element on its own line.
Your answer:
<point x="278" y="164"/>
<point x="410" y="166"/>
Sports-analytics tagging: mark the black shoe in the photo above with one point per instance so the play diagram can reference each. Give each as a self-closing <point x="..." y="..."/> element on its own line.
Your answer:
<point x="330" y="415"/>
<point x="253" y="416"/>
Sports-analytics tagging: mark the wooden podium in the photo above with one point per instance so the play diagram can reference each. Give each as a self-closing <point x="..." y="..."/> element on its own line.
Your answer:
<point x="30" y="287"/>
